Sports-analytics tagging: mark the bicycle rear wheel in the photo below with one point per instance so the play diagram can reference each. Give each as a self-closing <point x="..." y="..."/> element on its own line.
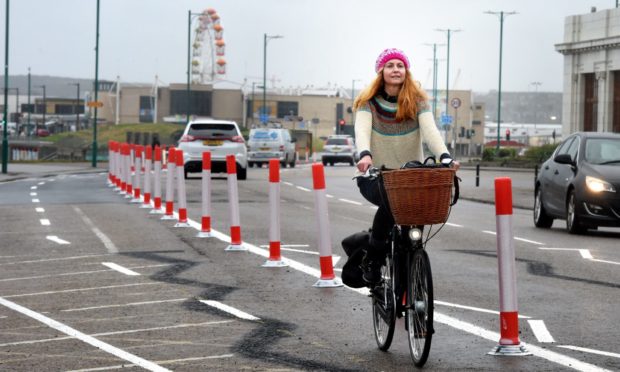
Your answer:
<point x="419" y="306"/>
<point x="383" y="307"/>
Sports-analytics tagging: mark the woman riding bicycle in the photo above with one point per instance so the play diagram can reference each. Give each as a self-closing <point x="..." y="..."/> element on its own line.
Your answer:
<point x="392" y="120"/>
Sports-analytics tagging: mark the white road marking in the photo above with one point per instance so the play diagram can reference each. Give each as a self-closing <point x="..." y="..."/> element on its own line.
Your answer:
<point x="56" y="239"/>
<point x="535" y="350"/>
<point x="298" y="250"/>
<point x="52" y="259"/>
<point x="374" y="207"/>
<point x="489" y="232"/>
<point x="103" y="237"/>
<point x="287" y="183"/>
<point x="39" y="210"/>
<point x="592" y="351"/>
<point x="123" y="305"/>
<point x="79" y="290"/>
<point x="186" y="325"/>
<point x="540" y="331"/>
<point x="45" y="222"/>
<point x="36" y="201"/>
<point x="350" y="201"/>
<point x="605" y="261"/>
<point x="41" y="183"/>
<point x="120" y="268"/>
<point x="453" y="224"/>
<point x="329" y="196"/>
<point x="529" y="241"/>
<point x="585" y="253"/>
<point x="83" y="337"/>
<point x="285" y="245"/>
<point x="161" y="362"/>
<point x="33" y="194"/>
<point x="302" y="188"/>
<point x="335" y="260"/>
<point x="33" y="187"/>
<point x="229" y="309"/>
<point x="478" y="309"/>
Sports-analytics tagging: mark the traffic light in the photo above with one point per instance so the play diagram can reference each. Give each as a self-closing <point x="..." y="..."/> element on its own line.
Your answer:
<point x="342" y="122"/>
<point x="507" y="134"/>
<point x="462" y="134"/>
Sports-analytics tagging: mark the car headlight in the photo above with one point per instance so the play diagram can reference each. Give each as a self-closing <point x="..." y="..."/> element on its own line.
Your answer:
<point x="598" y="185"/>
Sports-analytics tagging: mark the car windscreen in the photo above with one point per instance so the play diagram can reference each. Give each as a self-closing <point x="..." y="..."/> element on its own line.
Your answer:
<point x="602" y="151"/>
<point x="337" y="141"/>
<point x="208" y="130"/>
<point x="263" y="135"/>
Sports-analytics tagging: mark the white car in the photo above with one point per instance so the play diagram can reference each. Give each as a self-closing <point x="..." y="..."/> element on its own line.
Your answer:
<point x="340" y="149"/>
<point x="271" y="143"/>
<point x="221" y="138"/>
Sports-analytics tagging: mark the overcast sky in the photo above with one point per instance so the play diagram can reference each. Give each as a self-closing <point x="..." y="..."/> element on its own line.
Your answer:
<point x="325" y="41"/>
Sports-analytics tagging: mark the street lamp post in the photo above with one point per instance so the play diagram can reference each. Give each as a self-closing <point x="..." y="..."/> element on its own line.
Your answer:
<point x="77" y="107"/>
<point x="448" y="33"/>
<point x="501" y="14"/>
<point x="353" y="99"/>
<point x="29" y="109"/>
<point x="5" y="128"/>
<point x="263" y="114"/>
<point x="435" y="64"/>
<point x="190" y="17"/>
<point x="94" y="163"/>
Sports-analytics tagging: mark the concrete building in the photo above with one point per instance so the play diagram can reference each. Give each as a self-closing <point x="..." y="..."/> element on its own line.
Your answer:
<point x="591" y="49"/>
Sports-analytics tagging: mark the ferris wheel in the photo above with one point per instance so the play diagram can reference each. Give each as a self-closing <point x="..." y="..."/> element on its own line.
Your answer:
<point x="208" y="49"/>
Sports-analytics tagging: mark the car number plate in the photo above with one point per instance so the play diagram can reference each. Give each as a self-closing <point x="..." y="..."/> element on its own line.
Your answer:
<point x="212" y="142"/>
<point x="264" y="148"/>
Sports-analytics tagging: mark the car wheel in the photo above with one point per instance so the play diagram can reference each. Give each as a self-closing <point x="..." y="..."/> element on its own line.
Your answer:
<point x="331" y="163"/>
<point x="352" y="162"/>
<point x="292" y="164"/>
<point x="572" y="222"/>
<point x="242" y="173"/>
<point x="324" y="163"/>
<point x="250" y="164"/>
<point x="185" y="174"/>
<point x="541" y="218"/>
<point x="283" y="162"/>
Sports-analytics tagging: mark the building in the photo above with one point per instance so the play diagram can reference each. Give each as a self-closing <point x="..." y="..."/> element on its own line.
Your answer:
<point x="591" y="49"/>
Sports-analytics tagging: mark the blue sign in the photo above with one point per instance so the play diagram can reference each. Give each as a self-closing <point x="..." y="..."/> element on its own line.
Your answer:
<point x="446" y="119"/>
<point x="264" y="118"/>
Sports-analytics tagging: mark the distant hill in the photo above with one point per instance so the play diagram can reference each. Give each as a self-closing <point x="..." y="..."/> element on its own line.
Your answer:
<point x="523" y="107"/>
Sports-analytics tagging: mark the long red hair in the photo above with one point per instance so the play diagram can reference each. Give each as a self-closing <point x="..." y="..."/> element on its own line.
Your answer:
<point x="408" y="98"/>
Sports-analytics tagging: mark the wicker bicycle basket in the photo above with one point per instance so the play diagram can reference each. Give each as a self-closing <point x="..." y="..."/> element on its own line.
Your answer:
<point x="419" y="196"/>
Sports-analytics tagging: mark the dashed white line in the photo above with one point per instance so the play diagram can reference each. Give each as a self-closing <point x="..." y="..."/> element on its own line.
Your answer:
<point x="33" y="194"/>
<point x="123" y="305"/>
<point x="330" y="196"/>
<point x="83" y="337"/>
<point x="350" y="201"/>
<point x="592" y="351"/>
<point x="529" y="241"/>
<point x="45" y="222"/>
<point x="56" y="239"/>
<point x="540" y="331"/>
<point x="478" y="309"/>
<point x="33" y="187"/>
<point x="79" y="290"/>
<point x="41" y="183"/>
<point x="51" y="259"/>
<point x="39" y="210"/>
<point x="229" y="309"/>
<point x="302" y="188"/>
<point x="161" y="362"/>
<point x="453" y="224"/>
<point x="120" y="268"/>
<point x="36" y="201"/>
<point x="287" y="183"/>
<point x="103" y="237"/>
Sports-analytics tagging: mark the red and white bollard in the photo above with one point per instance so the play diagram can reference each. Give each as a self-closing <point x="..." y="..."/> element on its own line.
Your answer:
<point x="128" y="173"/>
<point x="275" y="259"/>
<point x="328" y="279"/>
<point x="169" y="215"/>
<point x="178" y="156"/>
<point x="132" y="155"/>
<point x="110" y="164"/>
<point x="233" y="197"/>
<point x="122" y="164"/>
<point x="137" y="166"/>
<point x="117" y="166"/>
<point x="147" y="177"/>
<point x="157" y="189"/>
<point x="205" y="229"/>
<point x="509" y="343"/>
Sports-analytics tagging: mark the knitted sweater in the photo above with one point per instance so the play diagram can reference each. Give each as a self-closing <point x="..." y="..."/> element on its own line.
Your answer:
<point x="392" y="143"/>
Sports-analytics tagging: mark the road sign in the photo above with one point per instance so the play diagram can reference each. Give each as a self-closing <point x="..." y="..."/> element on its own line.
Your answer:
<point x="455" y="102"/>
<point x="446" y="119"/>
<point x="94" y="104"/>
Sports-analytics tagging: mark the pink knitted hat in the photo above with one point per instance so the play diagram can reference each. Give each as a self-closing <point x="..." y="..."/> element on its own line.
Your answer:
<point x="389" y="54"/>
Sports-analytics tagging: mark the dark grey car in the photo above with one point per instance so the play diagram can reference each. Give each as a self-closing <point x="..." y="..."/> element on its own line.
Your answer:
<point x="580" y="183"/>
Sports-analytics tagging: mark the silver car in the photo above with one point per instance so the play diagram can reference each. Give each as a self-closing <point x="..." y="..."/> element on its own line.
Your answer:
<point x="271" y="143"/>
<point x="221" y="138"/>
<point x="339" y="149"/>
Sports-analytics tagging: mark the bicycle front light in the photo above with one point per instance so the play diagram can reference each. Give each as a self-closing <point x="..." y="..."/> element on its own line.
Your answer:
<point x="415" y="234"/>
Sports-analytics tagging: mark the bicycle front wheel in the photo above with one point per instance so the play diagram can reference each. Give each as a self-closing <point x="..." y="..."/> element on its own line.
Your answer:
<point x="419" y="306"/>
<point x="383" y="308"/>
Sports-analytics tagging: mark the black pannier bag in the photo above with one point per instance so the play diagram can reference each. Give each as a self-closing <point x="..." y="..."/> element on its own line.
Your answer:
<point x="355" y="247"/>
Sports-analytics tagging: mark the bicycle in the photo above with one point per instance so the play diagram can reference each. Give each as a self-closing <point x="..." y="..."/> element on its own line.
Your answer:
<point x="406" y="285"/>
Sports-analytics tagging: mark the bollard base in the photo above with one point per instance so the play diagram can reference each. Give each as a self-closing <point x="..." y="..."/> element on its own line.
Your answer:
<point x="157" y="211"/>
<point x="135" y="201"/>
<point x="145" y="206"/>
<point x="236" y="248"/>
<point x="204" y="234"/>
<point x="127" y="196"/>
<point x="274" y="263"/>
<point x="328" y="283"/>
<point x="167" y="217"/>
<point x="181" y="224"/>
<point x="510" y="350"/>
